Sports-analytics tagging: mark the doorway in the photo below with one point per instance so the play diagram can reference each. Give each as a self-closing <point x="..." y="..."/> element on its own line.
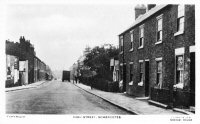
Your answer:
<point x="192" y="71"/>
<point x="192" y="79"/>
<point x="124" y="78"/>
<point x="146" y="78"/>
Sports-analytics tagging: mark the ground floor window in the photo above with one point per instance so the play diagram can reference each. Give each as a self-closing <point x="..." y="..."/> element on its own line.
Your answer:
<point x="141" y="72"/>
<point x="179" y="72"/>
<point x="159" y="74"/>
<point x="179" y="69"/>
<point x="131" y="72"/>
<point x="121" y="73"/>
<point x="117" y="75"/>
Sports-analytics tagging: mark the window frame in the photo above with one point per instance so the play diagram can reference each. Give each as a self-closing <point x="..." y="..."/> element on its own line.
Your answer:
<point x="180" y="70"/>
<point x="141" y="36"/>
<point x="159" y="83"/>
<point x="131" y="71"/>
<point x="132" y="39"/>
<point x="160" y="17"/>
<point x="121" y="44"/>
<point x="180" y="24"/>
<point x="180" y="16"/>
<point x="121" y="71"/>
<point x="179" y="52"/>
<point x="141" y="71"/>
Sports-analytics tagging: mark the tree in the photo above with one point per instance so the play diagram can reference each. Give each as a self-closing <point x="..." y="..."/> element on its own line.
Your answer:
<point x="98" y="60"/>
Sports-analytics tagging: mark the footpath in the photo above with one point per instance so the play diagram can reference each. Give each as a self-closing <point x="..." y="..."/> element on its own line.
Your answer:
<point x="128" y="103"/>
<point x="33" y="85"/>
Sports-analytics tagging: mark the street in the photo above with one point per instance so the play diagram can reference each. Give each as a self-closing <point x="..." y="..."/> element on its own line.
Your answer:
<point x="56" y="97"/>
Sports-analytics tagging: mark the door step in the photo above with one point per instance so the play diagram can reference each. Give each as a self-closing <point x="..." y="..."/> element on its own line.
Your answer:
<point x="142" y="98"/>
<point x="183" y="111"/>
<point x="158" y="104"/>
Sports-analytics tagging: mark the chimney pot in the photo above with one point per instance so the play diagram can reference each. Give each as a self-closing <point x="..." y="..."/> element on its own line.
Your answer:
<point x="140" y="10"/>
<point x="150" y="6"/>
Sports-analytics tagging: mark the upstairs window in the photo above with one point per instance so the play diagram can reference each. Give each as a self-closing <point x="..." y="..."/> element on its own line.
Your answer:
<point x="159" y="28"/>
<point x="181" y="18"/>
<point x="121" y="43"/>
<point x="141" y="34"/>
<point x="131" y="33"/>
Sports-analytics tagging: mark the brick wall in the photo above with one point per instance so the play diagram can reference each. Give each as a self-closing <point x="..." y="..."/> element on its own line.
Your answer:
<point x="151" y="51"/>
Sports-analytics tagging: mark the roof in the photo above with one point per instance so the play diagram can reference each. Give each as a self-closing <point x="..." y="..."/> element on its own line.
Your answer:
<point x="145" y="16"/>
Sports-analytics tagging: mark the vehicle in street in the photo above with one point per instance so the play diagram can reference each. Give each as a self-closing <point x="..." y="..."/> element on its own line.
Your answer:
<point x="65" y="76"/>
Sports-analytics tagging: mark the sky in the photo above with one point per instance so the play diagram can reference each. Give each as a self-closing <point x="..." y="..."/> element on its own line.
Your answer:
<point x="60" y="32"/>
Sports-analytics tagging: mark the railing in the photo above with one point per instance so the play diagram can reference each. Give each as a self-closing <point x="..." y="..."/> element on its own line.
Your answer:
<point x="183" y="99"/>
<point x="160" y="95"/>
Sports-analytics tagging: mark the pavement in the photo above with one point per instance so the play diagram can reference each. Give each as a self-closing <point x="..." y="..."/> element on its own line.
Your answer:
<point x="33" y="85"/>
<point x="131" y="104"/>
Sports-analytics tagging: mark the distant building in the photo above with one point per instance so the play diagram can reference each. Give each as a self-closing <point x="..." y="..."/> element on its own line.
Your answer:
<point x="12" y="69"/>
<point x="157" y="55"/>
<point x="22" y="65"/>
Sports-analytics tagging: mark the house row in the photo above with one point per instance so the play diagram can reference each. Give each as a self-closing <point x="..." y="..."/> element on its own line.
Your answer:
<point x="22" y="65"/>
<point x="157" y="55"/>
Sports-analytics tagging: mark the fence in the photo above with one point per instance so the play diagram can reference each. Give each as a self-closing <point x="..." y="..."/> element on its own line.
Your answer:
<point x="181" y="99"/>
<point x="160" y="95"/>
<point x="100" y="83"/>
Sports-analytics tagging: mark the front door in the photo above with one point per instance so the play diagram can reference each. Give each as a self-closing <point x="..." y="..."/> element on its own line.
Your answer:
<point x="192" y="79"/>
<point x="146" y="78"/>
<point x="192" y="71"/>
<point x="22" y="78"/>
<point x="124" y="78"/>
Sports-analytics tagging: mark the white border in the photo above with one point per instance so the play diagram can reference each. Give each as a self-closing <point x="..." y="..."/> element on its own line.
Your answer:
<point x="156" y="119"/>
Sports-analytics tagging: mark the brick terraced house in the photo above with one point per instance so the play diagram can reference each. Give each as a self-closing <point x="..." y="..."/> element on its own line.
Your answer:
<point x="157" y="55"/>
<point x="22" y="65"/>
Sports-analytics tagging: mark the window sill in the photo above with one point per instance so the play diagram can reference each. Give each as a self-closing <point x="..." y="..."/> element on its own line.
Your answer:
<point x="178" y="86"/>
<point x="140" y="84"/>
<point x="121" y="83"/>
<point x="121" y="52"/>
<point x="179" y="33"/>
<point x="130" y="83"/>
<point x="158" y="42"/>
<point x="131" y="50"/>
<point x="140" y="47"/>
<point x="158" y="88"/>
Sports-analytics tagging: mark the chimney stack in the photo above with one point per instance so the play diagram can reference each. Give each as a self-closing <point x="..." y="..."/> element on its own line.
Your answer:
<point x="140" y="10"/>
<point x="22" y="39"/>
<point x="150" y="6"/>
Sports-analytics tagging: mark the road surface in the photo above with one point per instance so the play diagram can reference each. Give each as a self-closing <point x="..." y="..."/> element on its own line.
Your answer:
<point x="57" y="97"/>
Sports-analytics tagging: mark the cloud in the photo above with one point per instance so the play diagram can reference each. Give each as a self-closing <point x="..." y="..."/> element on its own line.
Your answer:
<point x="60" y="23"/>
<point x="61" y="32"/>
